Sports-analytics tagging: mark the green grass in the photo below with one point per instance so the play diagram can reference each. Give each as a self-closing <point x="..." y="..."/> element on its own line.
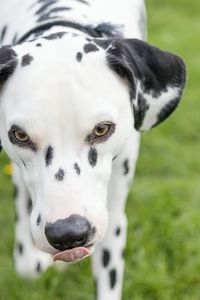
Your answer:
<point x="163" y="253"/>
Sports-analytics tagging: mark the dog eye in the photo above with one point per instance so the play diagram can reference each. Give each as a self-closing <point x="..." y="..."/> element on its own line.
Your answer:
<point x="102" y="129"/>
<point x="101" y="132"/>
<point x="20" y="136"/>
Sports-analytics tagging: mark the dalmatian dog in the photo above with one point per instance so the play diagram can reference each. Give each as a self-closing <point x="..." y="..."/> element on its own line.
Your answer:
<point x="77" y="85"/>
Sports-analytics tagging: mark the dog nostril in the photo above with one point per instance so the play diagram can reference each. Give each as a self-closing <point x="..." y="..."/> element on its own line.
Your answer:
<point x="80" y="240"/>
<point x="68" y="233"/>
<point x="60" y="246"/>
<point x="57" y="245"/>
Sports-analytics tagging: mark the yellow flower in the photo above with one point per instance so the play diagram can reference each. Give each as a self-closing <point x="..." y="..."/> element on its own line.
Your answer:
<point x="8" y="169"/>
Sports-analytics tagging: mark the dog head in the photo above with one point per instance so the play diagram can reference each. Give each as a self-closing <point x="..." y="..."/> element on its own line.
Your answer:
<point x="67" y="106"/>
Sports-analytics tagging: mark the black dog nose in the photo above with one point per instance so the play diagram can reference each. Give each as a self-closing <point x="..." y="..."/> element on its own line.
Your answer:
<point x="68" y="233"/>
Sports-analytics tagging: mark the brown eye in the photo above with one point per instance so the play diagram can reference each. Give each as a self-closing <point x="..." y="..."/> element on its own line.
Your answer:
<point x="102" y="129"/>
<point x="101" y="132"/>
<point x="20" y="136"/>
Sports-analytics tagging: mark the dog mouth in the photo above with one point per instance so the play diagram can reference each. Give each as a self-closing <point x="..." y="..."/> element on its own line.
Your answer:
<point x="75" y="254"/>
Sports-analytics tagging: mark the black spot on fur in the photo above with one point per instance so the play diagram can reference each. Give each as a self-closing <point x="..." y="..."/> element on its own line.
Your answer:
<point x="15" y="191"/>
<point x="90" y="48"/>
<point x="96" y="288"/>
<point x="38" y="267"/>
<point x="118" y="231"/>
<point x="109" y="30"/>
<point x="126" y="166"/>
<point x="38" y="45"/>
<point x="24" y="164"/>
<point x="38" y="219"/>
<point x="14" y="41"/>
<point x="37" y="34"/>
<point x="55" y="36"/>
<point x="43" y="1"/>
<point x="3" y="33"/>
<point x="49" y="155"/>
<point x="103" y="43"/>
<point x="106" y="258"/>
<point x="77" y="168"/>
<point x="60" y="175"/>
<point x="92" y="157"/>
<point x="83" y="1"/>
<point x="58" y="9"/>
<point x="44" y="7"/>
<point x="8" y="63"/>
<point x="45" y="17"/>
<point x="79" y="56"/>
<point x="26" y="60"/>
<point x="93" y="231"/>
<point x="20" y="248"/>
<point x="140" y="111"/>
<point x="113" y="278"/>
<point x="29" y="206"/>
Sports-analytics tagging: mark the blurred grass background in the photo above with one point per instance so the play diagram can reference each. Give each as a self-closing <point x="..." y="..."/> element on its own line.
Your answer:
<point x="163" y="253"/>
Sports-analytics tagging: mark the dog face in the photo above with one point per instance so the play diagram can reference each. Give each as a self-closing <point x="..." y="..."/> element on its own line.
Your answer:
<point x="67" y="107"/>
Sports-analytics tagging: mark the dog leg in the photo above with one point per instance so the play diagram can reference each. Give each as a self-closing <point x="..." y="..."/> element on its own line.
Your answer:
<point x="28" y="259"/>
<point x="108" y="259"/>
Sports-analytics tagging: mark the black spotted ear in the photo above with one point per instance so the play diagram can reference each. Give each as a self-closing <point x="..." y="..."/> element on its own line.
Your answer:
<point x="156" y="79"/>
<point x="8" y="63"/>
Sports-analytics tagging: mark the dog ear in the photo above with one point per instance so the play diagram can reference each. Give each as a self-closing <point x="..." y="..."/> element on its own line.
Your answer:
<point x="8" y="63"/>
<point x="156" y="79"/>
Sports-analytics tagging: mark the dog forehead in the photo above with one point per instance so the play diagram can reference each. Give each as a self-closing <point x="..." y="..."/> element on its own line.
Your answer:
<point x="52" y="83"/>
<point x="60" y="47"/>
<point x="66" y="67"/>
<point x="66" y="58"/>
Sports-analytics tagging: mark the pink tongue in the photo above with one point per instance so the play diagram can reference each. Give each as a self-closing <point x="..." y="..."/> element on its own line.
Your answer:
<point x="71" y="255"/>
